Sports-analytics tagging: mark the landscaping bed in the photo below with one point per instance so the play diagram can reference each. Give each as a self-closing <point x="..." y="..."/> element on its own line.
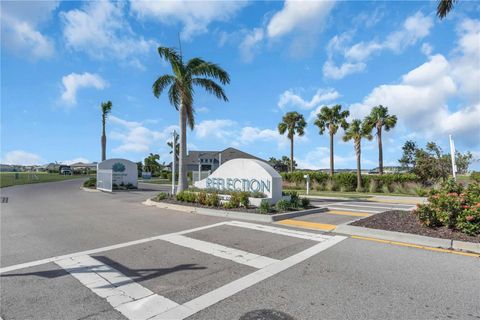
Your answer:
<point x="407" y="222"/>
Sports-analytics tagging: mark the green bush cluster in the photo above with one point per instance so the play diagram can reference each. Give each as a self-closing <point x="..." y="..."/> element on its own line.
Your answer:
<point x="294" y="203"/>
<point x="90" y="183"/>
<point x="265" y="207"/>
<point x="202" y="197"/>
<point x="255" y="194"/>
<point x="407" y="183"/>
<point x="161" y="196"/>
<point x="475" y="176"/>
<point x="453" y="206"/>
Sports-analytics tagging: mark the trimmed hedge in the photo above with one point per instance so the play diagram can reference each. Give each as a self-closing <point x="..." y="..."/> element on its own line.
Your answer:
<point x="347" y="181"/>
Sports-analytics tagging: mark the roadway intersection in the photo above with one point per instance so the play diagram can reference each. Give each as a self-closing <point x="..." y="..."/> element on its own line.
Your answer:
<point x="71" y="254"/>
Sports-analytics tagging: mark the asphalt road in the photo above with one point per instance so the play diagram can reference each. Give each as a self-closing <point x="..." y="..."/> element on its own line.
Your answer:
<point x="346" y="279"/>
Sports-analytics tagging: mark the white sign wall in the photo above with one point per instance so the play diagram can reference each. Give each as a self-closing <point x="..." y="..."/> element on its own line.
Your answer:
<point x="123" y="171"/>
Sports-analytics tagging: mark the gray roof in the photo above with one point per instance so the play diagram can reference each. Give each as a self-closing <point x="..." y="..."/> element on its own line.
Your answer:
<point x="227" y="154"/>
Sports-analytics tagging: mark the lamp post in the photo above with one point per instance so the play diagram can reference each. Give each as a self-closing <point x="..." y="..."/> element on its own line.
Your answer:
<point x="174" y="155"/>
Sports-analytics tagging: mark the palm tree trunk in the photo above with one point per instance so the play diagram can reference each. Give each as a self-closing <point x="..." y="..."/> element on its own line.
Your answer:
<point x="380" y="150"/>
<point x="331" y="155"/>
<point x="359" y="169"/>
<point x="104" y="144"/>
<point x="182" y="170"/>
<point x="291" y="154"/>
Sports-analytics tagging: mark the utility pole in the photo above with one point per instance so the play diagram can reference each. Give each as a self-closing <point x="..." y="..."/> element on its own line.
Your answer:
<point x="452" y="154"/>
<point x="174" y="156"/>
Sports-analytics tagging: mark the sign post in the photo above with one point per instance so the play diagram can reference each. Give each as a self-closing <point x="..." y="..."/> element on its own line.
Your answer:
<point x="174" y="156"/>
<point x="452" y="154"/>
<point x="307" y="176"/>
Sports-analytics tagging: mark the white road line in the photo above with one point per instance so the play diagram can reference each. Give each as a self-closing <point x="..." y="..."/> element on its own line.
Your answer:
<point x="354" y="210"/>
<point x="281" y="231"/>
<point x="211" y="298"/>
<point x="125" y="295"/>
<point x="374" y="207"/>
<point x="239" y="256"/>
<point x="102" y="249"/>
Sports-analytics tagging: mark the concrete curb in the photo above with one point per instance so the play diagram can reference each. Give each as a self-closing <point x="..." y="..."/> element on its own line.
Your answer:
<point x="408" y="238"/>
<point x="90" y="190"/>
<point x="232" y="214"/>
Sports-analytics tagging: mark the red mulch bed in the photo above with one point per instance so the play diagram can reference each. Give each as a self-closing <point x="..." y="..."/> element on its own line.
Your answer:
<point x="405" y="221"/>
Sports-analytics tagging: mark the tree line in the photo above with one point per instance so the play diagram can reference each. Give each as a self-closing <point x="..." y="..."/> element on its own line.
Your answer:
<point x="330" y="119"/>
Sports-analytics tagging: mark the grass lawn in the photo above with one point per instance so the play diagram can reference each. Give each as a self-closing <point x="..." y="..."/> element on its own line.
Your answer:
<point x="15" y="178"/>
<point x="156" y="181"/>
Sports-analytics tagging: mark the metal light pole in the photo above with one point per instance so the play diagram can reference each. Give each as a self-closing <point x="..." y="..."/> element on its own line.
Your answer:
<point x="307" y="176"/>
<point x="174" y="155"/>
<point x="452" y="154"/>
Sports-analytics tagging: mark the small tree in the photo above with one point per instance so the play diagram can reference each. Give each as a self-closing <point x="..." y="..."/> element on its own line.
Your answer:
<point x="356" y="131"/>
<point x="151" y="163"/>
<point x="331" y="119"/>
<point x="106" y="109"/>
<point x="408" y="158"/>
<point x="292" y="123"/>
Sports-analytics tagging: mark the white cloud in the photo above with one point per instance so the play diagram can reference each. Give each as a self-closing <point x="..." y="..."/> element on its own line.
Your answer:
<point x="251" y="43"/>
<point x="249" y="135"/>
<point x="426" y="48"/>
<point x="75" y="81"/>
<point x="290" y="98"/>
<point x="303" y="15"/>
<point x="194" y="15"/>
<point x="100" y="30"/>
<point x="20" y="157"/>
<point x="421" y="99"/>
<point x="135" y="137"/>
<point x="219" y="129"/>
<point x="20" y="23"/>
<point x="319" y="158"/>
<point x="414" y="28"/>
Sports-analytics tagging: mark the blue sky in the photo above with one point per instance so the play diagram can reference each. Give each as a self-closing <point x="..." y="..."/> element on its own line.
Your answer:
<point x="60" y="60"/>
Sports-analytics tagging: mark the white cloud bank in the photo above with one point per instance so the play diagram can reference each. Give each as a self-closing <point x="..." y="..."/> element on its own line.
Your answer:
<point x="291" y="98"/>
<point x="414" y="28"/>
<point x="101" y="30"/>
<point x="20" y="157"/>
<point x="420" y="99"/>
<point x="74" y="81"/>
<point x="194" y="15"/>
<point x="20" y="27"/>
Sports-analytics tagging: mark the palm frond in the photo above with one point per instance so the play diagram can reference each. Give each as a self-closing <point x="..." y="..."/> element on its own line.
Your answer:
<point x="211" y="87"/>
<point x="444" y="7"/>
<point x="198" y="67"/>
<point x="174" y="95"/>
<point x="161" y="83"/>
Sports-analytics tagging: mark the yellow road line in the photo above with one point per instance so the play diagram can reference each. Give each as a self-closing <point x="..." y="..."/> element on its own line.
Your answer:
<point x="349" y="213"/>
<point x="476" y="255"/>
<point x="308" y="224"/>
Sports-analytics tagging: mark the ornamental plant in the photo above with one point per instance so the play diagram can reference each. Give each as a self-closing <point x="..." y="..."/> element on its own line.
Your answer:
<point x="453" y="206"/>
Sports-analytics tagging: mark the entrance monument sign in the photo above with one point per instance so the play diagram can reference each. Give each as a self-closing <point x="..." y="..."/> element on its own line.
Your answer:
<point x="245" y="175"/>
<point x="123" y="171"/>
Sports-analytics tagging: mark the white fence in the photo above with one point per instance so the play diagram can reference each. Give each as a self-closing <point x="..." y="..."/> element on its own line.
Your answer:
<point x="104" y="180"/>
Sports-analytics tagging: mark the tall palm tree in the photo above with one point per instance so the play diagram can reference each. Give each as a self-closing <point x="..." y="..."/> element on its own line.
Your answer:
<point x="379" y="119"/>
<point x="106" y="109"/>
<point x="292" y="123"/>
<point x="331" y="119"/>
<point x="444" y="7"/>
<point x="356" y="131"/>
<point x="184" y="78"/>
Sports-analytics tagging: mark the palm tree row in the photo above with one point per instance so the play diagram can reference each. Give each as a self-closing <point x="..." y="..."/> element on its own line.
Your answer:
<point x="331" y="119"/>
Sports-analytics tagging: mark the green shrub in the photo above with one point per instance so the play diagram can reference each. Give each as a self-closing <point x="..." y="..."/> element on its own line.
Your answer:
<point x="475" y="176"/>
<point x="346" y="181"/>
<point x="234" y="201"/>
<point x="305" y="203"/>
<point x="265" y="207"/>
<point x="202" y="198"/>
<point x="454" y="207"/>
<point x="90" y="183"/>
<point x="282" y="205"/>
<point x="243" y="197"/>
<point x="212" y="200"/>
<point x="186" y="196"/>
<point x="161" y="196"/>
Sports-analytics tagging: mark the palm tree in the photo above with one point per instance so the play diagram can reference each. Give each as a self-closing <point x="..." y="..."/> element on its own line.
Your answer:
<point x="378" y="119"/>
<point x="195" y="73"/>
<point x="106" y="109"/>
<point x="292" y="123"/>
<point x="444" y="7"/>
<point x="177" y="149"/>
<point x="356" y="131"/>
<point x="331" y="119"/>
